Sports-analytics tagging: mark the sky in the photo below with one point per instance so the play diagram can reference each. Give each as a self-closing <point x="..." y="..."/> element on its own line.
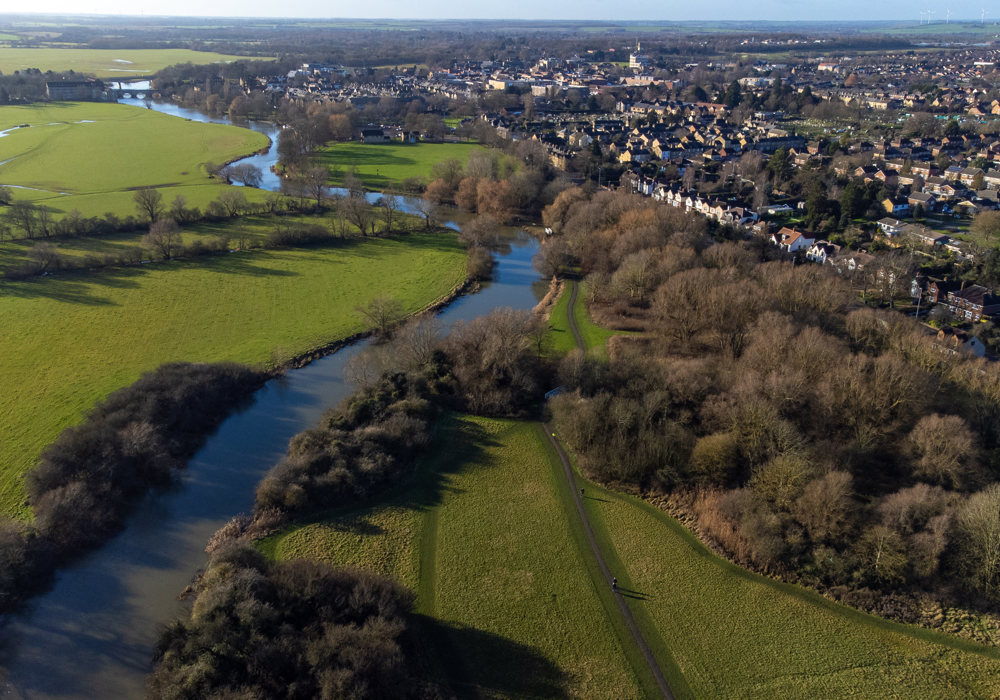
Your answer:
<point x="661" y="10"/>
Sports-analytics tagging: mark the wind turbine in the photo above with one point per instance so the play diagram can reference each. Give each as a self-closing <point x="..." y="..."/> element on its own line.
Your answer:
<point x="929" y="13"/>
<point x="982" y="19"/>
<point x="922" y="16"/>
<point x="947" y="16"/>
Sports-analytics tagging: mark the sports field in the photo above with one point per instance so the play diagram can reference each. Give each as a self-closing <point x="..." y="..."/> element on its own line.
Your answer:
<point x="68" y="340"/>
<point x="92" y="156"/>
<point x="106" y="63"/>
<point x="385" y="165"/>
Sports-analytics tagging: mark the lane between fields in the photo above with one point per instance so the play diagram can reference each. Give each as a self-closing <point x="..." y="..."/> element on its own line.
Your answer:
<point x="626" y="614"/>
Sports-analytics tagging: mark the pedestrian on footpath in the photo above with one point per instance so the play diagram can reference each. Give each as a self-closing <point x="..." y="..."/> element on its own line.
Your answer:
<point x="581" y="493"/>
<point x="614" y="583"/>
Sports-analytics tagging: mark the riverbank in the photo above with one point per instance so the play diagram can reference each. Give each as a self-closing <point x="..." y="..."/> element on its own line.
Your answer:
<point x="103" y="613"/>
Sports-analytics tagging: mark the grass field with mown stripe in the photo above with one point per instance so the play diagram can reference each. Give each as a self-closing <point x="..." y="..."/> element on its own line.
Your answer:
<point x="106" y="63"/>
<point x="595" y="337"/>
<point x="499" y="568"/>
<point x="70" y="339"/>
<point x="92" y="156"/>
<point x="736" y="634"/>
<point x="385" y="165"/>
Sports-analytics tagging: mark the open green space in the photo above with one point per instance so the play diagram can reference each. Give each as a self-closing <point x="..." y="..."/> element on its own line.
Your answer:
<point x="595" y="337"/>
<point x="382" y="166"/>
<point x="736" y="634"/>
<point x="91" y="156"/>
<point x="70" y="339"/>
<point x="106" y="63"/>
<point x="484" y="530"/>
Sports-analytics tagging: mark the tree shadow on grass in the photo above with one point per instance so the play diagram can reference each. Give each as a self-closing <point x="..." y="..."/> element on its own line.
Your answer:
<point x="468" y="662"/>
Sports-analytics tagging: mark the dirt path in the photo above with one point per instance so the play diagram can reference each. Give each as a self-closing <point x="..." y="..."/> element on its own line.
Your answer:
<point x="626" y="614"/>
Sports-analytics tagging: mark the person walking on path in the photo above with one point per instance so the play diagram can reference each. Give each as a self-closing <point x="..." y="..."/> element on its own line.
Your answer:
<point x="614" y="583"/>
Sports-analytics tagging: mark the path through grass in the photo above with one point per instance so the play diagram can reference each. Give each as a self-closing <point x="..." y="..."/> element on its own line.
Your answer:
<point x="508" y="600"/>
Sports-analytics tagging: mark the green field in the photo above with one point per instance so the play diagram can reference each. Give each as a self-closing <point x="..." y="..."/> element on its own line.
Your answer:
<point x="737" y="634"/>
<point x="90" y="156"/>
<point x="105" y="63"/>
<point x="385" y="165"/>
<point x="595" y="337"/>
<point x="481" y="532"/>
<point x="70" y="339"/>
<point x="484" y="534"/>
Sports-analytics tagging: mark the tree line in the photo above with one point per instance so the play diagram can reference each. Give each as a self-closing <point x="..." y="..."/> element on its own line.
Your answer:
<point x="807" y="435"/>
<point x="88" y="480"/>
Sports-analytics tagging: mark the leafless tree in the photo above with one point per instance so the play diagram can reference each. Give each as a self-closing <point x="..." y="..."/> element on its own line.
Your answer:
<point x="390" y="210"/>
<point x="164" y="237"/>
<point x="149" y="202"/>
<point x="382" y="313"/>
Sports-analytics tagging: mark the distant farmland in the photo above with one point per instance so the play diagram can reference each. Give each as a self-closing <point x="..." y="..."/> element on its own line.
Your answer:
<point x="380" y="166"/>
<point x="106" y="63"/>
<point x="90" y="156"/>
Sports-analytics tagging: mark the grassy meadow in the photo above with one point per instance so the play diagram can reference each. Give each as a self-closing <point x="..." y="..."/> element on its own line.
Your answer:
<point x="91" y="156"/>
<point x="482" y="534"/>
<point x="105" y="63"/>
<point x="70" y="339"/>
<point x="385" y="165"/>
<point x="733" y="633"/>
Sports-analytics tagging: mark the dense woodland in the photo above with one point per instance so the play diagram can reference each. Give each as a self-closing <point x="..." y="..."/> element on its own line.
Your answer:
<point x="810" y="436"/>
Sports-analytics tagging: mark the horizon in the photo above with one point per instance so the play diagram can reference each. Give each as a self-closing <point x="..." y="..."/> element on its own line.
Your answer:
<point x="777" y="12"/>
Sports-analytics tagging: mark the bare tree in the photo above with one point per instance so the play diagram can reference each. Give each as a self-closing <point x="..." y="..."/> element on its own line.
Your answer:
<point x="149" y="202"/>
<point x="944" y="450"/>
<point x="233" y="202"/>
<point x="390" y="210"/>
<point x="178" y="208"/>
<point x="359" y="212"/>
<point x="164" y="237"/>
<point x="44" y="256"/>
<point x="978" y="540"/>
<point x="24" y="215"/>
<point x="382" y="313"/>
<point x="429" y="210"/>
<point x="315" y="183"/>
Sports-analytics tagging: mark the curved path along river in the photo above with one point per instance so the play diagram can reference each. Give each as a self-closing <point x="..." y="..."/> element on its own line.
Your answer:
<point x="623" y="609"/>
<point x="92" y="635"/>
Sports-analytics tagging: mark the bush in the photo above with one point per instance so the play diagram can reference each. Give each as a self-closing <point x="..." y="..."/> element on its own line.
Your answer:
<point x="297" y="629"/>
<point x="87" y="480"/>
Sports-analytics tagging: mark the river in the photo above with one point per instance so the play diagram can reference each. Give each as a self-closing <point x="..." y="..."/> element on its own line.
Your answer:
<point x="92" y="635"/>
